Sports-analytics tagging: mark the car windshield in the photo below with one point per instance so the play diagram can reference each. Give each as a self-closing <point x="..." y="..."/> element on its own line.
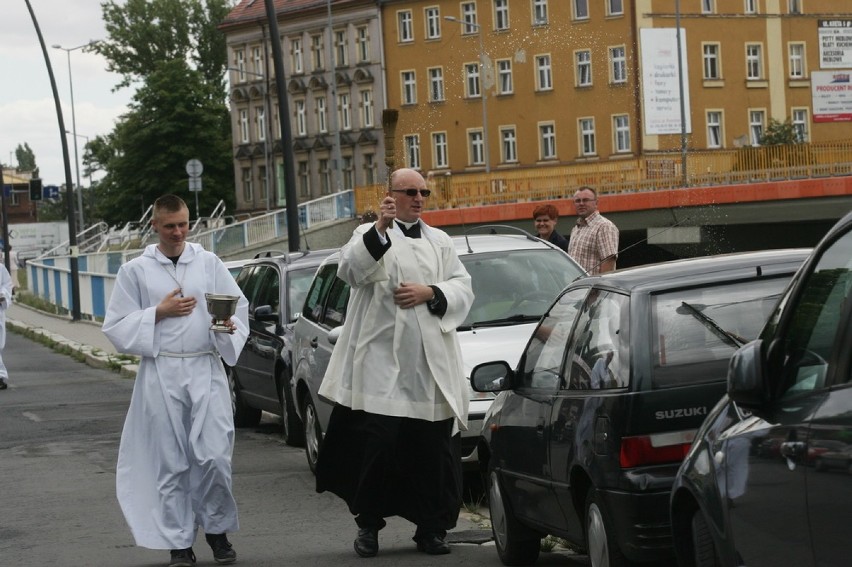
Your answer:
<point x="300" y="282"/>
<point x="515" y="286"/>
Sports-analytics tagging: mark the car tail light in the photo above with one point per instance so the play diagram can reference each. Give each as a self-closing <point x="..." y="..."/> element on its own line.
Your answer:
<point x="655" y="449"/>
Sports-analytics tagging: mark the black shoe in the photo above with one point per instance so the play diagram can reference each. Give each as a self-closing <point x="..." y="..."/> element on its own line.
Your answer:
<point x="182" y="558"/>
<point x="3" y="384"/>
<point x="223" y="552"/>
<point x="433" y="544"/>
<point x="367" y="542"/>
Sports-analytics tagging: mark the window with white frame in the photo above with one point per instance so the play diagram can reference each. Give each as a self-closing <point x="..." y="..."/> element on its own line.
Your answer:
<point x="581" y="9"/>
<point x="316" y="53"/>
<point x="539" y="12"/>
<point x="367" y="113"/>
<point x="471" y="80"/>
<point x="348" y="173"/>
<point x="614" y="7"/>
<point x="264" y="182"/>
<point x="411" y="142"/>
<point x="476" y="147"/>
<point x="756" y="119"/>
<point x="406" y="26"/>
<point x="363" y="44"/>
<point x="257" y="61"/>
<point x="583" y="66"/>
<point x="244" y="126"/>
<point x="504" y="76"/>
<point x="433" y="22"/>
<point x="248" y="190"/>
<point x="714" y="129"/>
<point x="260" y="123"/>
<point x="345" y="102"/>
<point x="621" y="133"/>
<point x="708" y="6"/>
<point x="588" y="146"/>
<point x="297" y="56"/>
<point x="501" y="15"/>
<point x="754" y="61"/>
<point x="544" y="73"/>
<point x="797" y="60"/>
<point x="794" y="6"/>
<point x="325" y="176"/>
<point x="409" y="87"/>
<point x="468" y="13"/>
<point x="750" y="7"/>
<point x="436" y="84"/>
<point x="341" y="48"/>
<point x="547" y="141"/>
<point x="508" y="144"/>
<point x="240" y="64"/>
<point x="800" y="124"/>
<point x="618" y="64"/>
<point x="322" y="115"/>
<point x="710" y="53"/>
<point x="301" y="118"/>
<point x="304" y="175"/>
<point x="439" y="150"/>
<point x="369" y="169"/>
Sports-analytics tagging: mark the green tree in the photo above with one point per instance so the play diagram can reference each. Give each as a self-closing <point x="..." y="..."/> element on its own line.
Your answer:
<point x="778" y="133"/>
<point x="26" y="158"/>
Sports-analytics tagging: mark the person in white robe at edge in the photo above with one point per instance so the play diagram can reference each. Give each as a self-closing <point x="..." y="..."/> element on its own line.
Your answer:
<point x="5" y="301"/>
<point x="396" y="375"/>
<point x="174" y="461"/>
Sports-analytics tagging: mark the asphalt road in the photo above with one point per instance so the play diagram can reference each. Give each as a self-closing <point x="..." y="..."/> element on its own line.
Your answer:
<point x="60" y="422"/>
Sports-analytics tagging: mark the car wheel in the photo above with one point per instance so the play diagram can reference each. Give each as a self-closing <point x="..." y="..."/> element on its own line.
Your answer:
<point x="600" y="535"/>
<point x="291" y="426"/>
<point x="313" y="433"/>
<point x="244" y="416"/>
<point x="703" y="549"/>
<point x="516" y="544"/>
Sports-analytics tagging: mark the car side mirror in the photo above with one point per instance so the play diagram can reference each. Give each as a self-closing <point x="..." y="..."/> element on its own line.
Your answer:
<point x="265" y="314"/>
<point x="747" y="384"/>
<point x="334" y="334"/>
<point x="491" y="377"/>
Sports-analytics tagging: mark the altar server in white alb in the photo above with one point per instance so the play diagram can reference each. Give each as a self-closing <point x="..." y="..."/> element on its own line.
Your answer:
<point x="174" y="462"/>
<point x="5" y="301"/>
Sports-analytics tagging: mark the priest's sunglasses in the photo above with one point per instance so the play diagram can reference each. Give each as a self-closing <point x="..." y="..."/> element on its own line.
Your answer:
<point x="413" y="192"/>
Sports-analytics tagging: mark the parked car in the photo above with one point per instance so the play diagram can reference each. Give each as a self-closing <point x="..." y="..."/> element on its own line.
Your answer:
<point x="514" y="278"/>
<point x="589" y="429"/>
<point x="236" y="266"/>
<point x="275" y="284"/>
<point x="744" y="495"/>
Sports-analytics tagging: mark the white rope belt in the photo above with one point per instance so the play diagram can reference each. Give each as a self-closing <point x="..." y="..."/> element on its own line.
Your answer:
<point x="187" y="354"/>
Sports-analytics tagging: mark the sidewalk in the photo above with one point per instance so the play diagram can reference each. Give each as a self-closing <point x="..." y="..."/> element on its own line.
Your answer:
<point x="83" y="337"/>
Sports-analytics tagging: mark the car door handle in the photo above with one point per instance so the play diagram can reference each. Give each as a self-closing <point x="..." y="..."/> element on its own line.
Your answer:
<point x="314" y="342"/>
<point x="792" y="449"/>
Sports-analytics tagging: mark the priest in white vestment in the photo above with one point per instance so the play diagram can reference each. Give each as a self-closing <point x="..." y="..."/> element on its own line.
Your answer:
<point x="5" y="301"/>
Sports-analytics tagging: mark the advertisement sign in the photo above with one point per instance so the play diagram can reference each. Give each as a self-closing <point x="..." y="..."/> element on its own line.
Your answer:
<point x="835" y="44"/>
<point x="831" y="92"/>
<point x="661" y="81"/>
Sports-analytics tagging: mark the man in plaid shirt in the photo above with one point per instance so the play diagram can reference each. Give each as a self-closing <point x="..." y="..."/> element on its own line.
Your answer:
<point x="594" y="239"/>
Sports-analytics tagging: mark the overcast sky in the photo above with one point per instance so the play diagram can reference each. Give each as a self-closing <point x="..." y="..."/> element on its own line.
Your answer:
<point x="27" y="109"/>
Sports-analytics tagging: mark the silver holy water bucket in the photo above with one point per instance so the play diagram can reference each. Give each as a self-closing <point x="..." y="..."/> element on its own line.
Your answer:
<point x="222" y="307"/>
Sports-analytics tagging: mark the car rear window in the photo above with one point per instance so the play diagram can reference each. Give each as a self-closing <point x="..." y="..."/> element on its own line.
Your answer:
<point x="695" y="331"/>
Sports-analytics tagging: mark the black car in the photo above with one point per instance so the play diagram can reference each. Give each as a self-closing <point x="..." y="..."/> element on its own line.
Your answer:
<point x="768" y="480"/>
<point x="275" y="285"/>
<point x="587" y="434"/>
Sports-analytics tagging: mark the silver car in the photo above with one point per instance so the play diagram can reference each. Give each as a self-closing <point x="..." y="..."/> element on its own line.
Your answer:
<point x="515" y="277"/>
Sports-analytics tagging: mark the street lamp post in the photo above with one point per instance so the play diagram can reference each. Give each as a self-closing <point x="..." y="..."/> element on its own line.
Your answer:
<point x="68" y="51"/>
<point x="483" y="89"/>
<point x="90" y="171"/>
<point x="267" y="130"/>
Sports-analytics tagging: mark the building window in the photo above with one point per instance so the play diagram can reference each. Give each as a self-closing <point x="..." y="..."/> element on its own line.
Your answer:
<point x="433" y="23"/>
<point x="345" y="111"/>
<point x="539" y="12"/>
<point x="260" y="123"/>
<point x="301" y="119"/>
<point x="322" y="115"/>
<point x="751" y="6"/>
<point x="240" y="64"/>
<point x="369" y="169"/>
<point x="544" y="73"/>
<point x="501" y="15"/>
<point x="406" y="29"/>
<point x="797" y="60"/>
<point x="714" y="129"/>
<point x="348" y="173"/>
<point x="341" y="52"/>
<point x="409" y="87"/>
<point x="547" y="141"/>
<point x="412" y="151"/>
<point x="794" y="6"/>
<point x="618" y="63"/>
<point x="257" y="60"/>
<point x="621" y="131"/>
<point x="707" y="6"/>
<point x="755" y="124"/>
<point x="476" y="147"/>
<point x="468" y="11"/>
<point x="264" y="183"/>
<point x="754" y="61"/>
<point x="436" y="84"/>
<point x="325" y="177"/>
<point x="504" y="75"/>
<point x="367" y="109"/>
<point x="583" y="65"/>
<point x="614" y="7"/>
<point x="363" y="44"/>
<point x="248" y="191"/>
<point x="304" y="179"/>
<point x="508" y="145"/>
<point x="471" y="72"/>
<point x="581" y="9"/>
<point x="439" y="148"/>
<point x="587" y="137"/>
<point x="800" y="124"/>
<point x="244" y="126"/>
<point x="711" y="61"/>
<point x="316" y="53"/>
<point x="297" y="56"/>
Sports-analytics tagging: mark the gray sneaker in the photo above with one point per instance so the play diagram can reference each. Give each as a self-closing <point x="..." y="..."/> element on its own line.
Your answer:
<point x="223" y="551"/>
<point x="182" y="558"/>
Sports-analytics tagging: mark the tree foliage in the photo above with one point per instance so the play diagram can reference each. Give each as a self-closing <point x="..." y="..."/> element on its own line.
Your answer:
<point x="26" y="158"/>
<point x="779" y="133"/>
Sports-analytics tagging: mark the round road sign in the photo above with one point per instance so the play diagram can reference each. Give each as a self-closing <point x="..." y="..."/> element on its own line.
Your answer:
<point x="194" y="168"/>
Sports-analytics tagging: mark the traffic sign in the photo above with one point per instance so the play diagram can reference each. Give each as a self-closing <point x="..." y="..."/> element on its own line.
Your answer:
<point x="51" y="192"/>
<point x="194" y="168"/>
<point x="195" y="184"/>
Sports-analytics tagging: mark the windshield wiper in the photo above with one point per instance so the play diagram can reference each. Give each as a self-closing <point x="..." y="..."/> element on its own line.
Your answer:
<point x="732" y="339"/>
<point x="520" y="318"/>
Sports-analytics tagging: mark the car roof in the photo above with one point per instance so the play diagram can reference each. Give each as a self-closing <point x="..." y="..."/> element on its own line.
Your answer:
<point x="299" y="259"/>
<point x="687" y="271"/>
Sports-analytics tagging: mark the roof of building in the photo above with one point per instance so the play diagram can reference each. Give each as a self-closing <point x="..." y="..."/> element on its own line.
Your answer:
<point x="249" y="11"/>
